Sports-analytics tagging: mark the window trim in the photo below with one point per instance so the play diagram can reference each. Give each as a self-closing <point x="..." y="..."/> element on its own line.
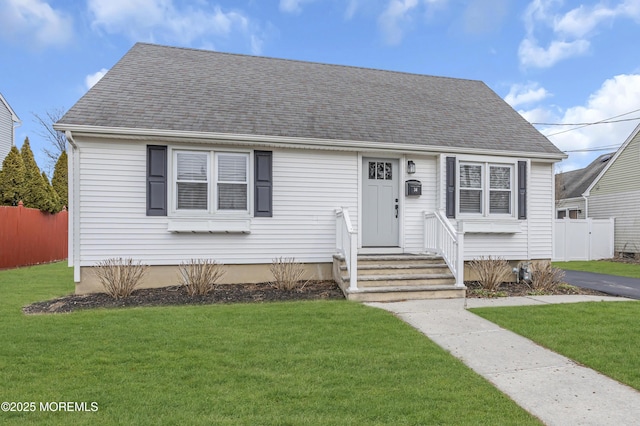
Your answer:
<point x="212" y="210"/>
<point x="485" y="201"/>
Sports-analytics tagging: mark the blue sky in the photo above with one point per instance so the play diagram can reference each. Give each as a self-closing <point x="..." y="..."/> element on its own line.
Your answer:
<point x="554" y="61"/>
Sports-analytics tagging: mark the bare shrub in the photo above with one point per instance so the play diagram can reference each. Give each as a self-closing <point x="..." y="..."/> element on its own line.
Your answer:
<point x="119" y="276"/>
<point x="200" y="276"/>
<point x="287" y="274"/>
<point x="491" y="271"/>
<point x="545" y="277"/>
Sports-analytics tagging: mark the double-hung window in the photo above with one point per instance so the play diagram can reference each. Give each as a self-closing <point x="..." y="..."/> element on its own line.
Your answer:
<point x="211" y="182"/>
<point x="486" y="189"/>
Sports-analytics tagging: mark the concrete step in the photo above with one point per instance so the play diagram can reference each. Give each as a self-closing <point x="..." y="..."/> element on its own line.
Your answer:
<point x="394" y="294"/>
<point x="421" y="269"/>
<point x="398" y="259"/>
<point x="399" y="277"/>
<point x="405" y="280"/>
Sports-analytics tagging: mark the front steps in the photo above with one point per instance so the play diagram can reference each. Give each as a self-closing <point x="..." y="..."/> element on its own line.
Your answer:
<point x="387" y="278"/>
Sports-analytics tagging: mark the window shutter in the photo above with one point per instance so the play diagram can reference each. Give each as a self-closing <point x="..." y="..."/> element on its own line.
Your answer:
<point x="451" y="187"/>
<point x="156" y="180"/>
<point x="522" y="189"/>
<point x="263" y="184"/>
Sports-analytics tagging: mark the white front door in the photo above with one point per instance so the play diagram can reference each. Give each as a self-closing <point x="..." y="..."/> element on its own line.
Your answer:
<point x="380" y="202"/>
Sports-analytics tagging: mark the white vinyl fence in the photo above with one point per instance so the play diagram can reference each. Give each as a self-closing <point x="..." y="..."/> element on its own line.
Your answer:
<point x="583" y="239"/>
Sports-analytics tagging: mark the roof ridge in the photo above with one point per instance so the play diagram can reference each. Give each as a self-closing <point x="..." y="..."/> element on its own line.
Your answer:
<point x="300" y="61"/>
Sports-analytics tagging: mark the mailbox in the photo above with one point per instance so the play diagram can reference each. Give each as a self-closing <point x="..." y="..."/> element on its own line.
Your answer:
<point x="413" y="188"/>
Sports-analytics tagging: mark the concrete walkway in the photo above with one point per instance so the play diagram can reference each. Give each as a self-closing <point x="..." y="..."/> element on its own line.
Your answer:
<point x="550" y="386"/>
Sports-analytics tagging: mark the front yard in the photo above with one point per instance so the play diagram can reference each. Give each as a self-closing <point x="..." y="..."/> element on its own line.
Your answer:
<point x="602" y="336"/>
<point x="321" y="362"/>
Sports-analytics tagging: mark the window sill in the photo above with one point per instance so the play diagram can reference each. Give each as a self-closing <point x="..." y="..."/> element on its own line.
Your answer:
<point x="211" y="226"/>
<point x="489" y="226"/>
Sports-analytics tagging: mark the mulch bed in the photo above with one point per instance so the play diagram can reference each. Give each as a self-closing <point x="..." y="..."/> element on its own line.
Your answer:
<point x="177" y="295"/>
<point x="522" y="289"/>
<point x="245" y="293"/>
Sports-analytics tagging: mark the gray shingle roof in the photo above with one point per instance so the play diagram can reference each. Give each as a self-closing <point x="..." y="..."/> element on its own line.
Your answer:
<point x="167" y="88"/>
<point x="574" y="183"/>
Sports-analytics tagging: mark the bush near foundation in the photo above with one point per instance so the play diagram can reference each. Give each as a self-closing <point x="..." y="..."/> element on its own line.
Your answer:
<point x="119" y="276"/>
<point x="200" y="276"/>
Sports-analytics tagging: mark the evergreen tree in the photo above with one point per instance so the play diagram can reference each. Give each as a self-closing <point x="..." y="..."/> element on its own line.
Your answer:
<point x="60" y="181"/>
<point x="12" y="178"/>
<point x="36" y="194"/>
<point x="53" y="195"/>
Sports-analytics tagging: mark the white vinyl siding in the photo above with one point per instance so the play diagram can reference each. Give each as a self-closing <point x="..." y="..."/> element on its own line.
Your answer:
<point x="414" y="207"/>
<point x="541" y="210"/>
<point x="535" y="238"/>
<point x="113" y="221"/>
<point x="623" y="175"/>
<point x="625" y="208"/>
<point x="6" y="132"/>
<point x="617" y="195"/>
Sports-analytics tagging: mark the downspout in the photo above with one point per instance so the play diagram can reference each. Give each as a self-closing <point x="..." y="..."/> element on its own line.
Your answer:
<point x="73" y="166"/>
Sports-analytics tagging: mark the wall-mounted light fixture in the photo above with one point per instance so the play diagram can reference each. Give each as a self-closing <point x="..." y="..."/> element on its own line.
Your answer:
<point x="411" y="167"/>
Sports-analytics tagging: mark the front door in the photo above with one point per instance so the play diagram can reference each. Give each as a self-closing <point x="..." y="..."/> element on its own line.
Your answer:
<point x="380" y="207"/>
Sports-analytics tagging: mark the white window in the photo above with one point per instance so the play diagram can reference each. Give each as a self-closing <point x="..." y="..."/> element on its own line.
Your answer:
<point x="570" y="213"/>
<point x="231" y="180"/>
<point x="486" y="189"/>
<point x="210" y="182"/>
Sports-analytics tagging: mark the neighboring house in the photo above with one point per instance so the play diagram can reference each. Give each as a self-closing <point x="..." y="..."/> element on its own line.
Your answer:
<point x="8" y="121"/>
<point x="615" y="192"/>
<point x="571" y="185"/>
<point x="179" y="154"/>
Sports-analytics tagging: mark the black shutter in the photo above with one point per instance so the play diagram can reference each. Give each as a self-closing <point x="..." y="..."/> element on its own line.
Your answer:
<point x="522" y="189"/>
<point x="156" y="180"/>
<point x="263" y="186"/>
<point x="451" y="187"/>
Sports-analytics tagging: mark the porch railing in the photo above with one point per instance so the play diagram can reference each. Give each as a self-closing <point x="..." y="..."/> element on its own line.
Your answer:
<point x="442" y="238"/>
<point x="347" y="244"/>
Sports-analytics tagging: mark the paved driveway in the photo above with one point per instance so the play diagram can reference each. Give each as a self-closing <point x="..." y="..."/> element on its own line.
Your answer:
<point x="616" y="286"/>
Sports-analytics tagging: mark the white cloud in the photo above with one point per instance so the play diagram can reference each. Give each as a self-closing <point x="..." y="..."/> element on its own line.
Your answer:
<point x="395" y="19"/>
<point x="569" y="32"/>
<point x="398" y="16"/>
<point x="484" y="16"/>
<point x="161" y="20"/>
<point x="523" y="94"/>
<point x="92" y="79"/>
<point x="531" y="54"/>
<point x="293" y="6"/>
<point x="34" y="23"/>
<point x="618" y="95"/>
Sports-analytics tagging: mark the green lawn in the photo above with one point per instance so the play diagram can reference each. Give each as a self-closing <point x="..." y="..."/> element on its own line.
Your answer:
<point x="602" y="267"/>
<point x="324" y="362"/>
<point x="602" y="336"/>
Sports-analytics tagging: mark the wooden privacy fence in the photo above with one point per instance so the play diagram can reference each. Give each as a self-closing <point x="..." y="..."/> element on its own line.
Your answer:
<point x="29" y="236"/>
<point x="583" y="239"/>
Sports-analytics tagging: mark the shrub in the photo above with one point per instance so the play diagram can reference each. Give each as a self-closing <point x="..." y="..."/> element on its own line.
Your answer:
<point x="200" y="276"/>
<point x="491" y="271"/>
<point x="545" y="277"/>
<point x="120" y="276"/>
<point x="287" y="274"/>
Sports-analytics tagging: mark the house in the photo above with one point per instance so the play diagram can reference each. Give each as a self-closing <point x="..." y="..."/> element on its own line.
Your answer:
<point x="8" y="121"/>
<point x="571" y="185"/>
<point x="179" y="154"/>
<point x="615" y="192"/>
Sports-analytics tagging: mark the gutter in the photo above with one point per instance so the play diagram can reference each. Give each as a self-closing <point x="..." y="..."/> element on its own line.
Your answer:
<point x="288" y="141"/>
